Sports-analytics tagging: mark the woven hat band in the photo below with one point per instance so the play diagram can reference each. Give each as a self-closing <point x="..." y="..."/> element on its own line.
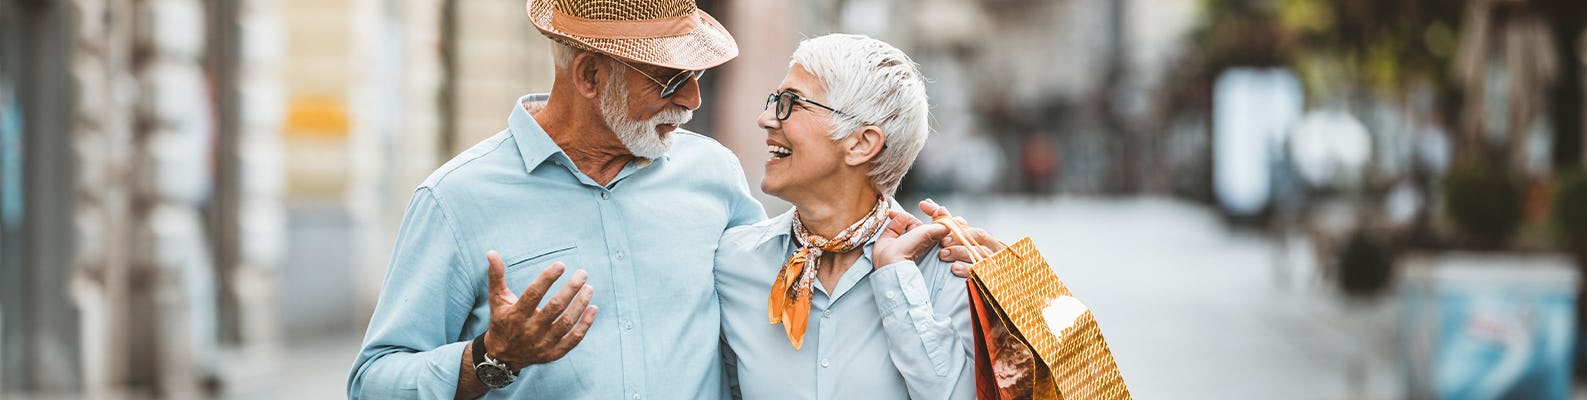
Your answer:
<point x="624" y="29"/>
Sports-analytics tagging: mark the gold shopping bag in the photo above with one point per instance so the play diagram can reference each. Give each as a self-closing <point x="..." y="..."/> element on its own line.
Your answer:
<point x="1033" y="339"/>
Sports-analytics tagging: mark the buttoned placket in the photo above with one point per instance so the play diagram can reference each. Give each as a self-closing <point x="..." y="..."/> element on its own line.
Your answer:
<point x="826" y="302"/>
<point x="624" y="281"/>
<point x="826" y="327"/>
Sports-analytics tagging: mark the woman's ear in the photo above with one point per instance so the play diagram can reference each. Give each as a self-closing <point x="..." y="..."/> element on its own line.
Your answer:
<point x="587" y="70"/>
<point x="864" y="145"/>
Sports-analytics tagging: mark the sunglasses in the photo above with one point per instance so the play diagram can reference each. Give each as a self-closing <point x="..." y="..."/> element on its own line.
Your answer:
<point x="671" y="86"/>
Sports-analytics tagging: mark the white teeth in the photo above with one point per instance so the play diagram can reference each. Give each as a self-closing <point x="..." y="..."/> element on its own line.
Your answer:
<point x="778" y="151"/>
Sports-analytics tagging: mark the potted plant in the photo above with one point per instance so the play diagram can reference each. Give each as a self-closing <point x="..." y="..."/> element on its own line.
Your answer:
<point x="1484" y="203"/>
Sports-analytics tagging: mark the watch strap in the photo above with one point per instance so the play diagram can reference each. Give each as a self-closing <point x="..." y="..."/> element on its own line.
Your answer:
<point x="479" y="349"/>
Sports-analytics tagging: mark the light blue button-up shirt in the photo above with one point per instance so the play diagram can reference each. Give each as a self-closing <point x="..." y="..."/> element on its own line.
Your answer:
<point x="901" y="331"/>
<point x="647" y="240"/>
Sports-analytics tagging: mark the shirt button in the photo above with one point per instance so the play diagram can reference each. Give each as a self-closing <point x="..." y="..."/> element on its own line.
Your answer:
<point x="636" y="396"/>
<point x="825" y="363"/>
<point x="604" y="196"/>
<point x="826" y="314"/>
<point x="891" y="294"/>
<point x="628" y="325"/>
<point x="619" y="256"/>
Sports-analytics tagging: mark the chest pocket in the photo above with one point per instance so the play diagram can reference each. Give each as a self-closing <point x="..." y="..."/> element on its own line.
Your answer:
<point x="523" y="267"/>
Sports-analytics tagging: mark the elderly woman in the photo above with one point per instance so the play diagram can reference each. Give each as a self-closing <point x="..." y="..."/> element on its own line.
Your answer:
<point x="855" y="310"/>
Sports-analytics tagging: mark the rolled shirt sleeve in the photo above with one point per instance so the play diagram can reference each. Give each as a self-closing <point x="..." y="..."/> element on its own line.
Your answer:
<point x="927" y="327"/>
<point x="406" y="353"/>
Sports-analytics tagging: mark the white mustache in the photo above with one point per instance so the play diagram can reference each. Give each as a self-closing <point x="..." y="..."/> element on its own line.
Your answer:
<point x="672" y="118"/>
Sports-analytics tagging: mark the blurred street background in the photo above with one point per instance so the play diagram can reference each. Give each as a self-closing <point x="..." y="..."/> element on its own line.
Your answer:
<point x="1258" y="199"/>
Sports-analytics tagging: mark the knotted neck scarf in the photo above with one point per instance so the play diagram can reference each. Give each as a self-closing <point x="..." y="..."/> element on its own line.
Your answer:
<point x="789" y="302"/>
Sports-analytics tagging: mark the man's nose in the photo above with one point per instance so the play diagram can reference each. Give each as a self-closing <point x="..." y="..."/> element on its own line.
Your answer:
<point x="688" y="95"/>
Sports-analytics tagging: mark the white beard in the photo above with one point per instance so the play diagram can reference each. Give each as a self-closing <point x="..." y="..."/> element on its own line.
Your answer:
<point x="638" y="135"/>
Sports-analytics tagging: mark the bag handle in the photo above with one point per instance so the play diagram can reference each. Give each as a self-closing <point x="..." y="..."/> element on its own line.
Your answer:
<point x="959" y="232"/>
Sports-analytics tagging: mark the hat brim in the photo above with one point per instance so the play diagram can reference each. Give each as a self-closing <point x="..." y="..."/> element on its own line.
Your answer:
<point x="706" y="46"/>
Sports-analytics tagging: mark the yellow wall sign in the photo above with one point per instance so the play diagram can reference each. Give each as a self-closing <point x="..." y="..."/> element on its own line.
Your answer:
<point x="317" y="116"/>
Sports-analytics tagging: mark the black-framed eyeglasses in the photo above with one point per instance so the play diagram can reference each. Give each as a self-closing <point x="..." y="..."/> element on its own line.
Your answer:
<point x="671" y="86"/>
<point x="785" y="100"/>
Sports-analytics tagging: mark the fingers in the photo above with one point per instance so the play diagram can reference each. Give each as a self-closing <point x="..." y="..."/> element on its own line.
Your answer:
<point x="932" y="209"/>
<point x="537" y="289"/>
<point x="953" y="240"/>
<point x="567" y="318"/>
<point x="986" y="239"/>
<point x="962" y="253"/>
<point x="979" y="236"/>
<point x="576" y="334"/>
<point x="953" y="253"/>
<point x="911" y="221"/>
<point x="927" y="235"/>
<point x="898" y="225"/>
<point x="918" y="240"/>
<point x="559" y="302"/>
<point x="961" y="270"/>
<point x="497" y="282"/>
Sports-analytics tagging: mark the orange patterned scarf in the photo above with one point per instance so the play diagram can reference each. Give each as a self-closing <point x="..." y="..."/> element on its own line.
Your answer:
<point x="789" y="302"/>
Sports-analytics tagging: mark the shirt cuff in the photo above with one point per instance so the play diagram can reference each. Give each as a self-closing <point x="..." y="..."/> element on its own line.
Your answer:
<point x="441" y="365"/>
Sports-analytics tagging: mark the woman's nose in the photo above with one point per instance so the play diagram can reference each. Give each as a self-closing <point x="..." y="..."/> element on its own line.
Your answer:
<point x="768" y="119"/>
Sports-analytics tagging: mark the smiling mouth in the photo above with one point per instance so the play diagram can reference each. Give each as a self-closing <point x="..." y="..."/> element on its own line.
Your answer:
<point x="778" y="152"/>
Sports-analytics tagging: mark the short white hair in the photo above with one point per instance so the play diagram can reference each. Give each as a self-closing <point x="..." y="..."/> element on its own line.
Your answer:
<point x="873" y="83"/>
<point x="562" y="54"/>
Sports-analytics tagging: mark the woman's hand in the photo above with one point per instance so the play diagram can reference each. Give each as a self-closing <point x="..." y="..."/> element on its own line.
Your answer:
<point x="959" y="253"/>
<point x="905" y="239"/>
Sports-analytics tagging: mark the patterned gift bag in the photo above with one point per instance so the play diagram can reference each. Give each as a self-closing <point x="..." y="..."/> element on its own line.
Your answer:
<point x="1033" y="339"/>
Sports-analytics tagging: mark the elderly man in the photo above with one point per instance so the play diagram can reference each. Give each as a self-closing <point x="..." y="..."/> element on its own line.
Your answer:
<point x="601" y="179"/>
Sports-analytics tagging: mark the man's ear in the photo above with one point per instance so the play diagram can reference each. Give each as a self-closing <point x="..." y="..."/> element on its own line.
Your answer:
<point x="588" y="68"/>
<point x="864" y="145"/>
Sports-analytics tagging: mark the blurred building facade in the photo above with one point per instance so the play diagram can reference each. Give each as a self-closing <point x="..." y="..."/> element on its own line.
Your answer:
<point x="186" y="186"/>
<point x="142" y="258"/>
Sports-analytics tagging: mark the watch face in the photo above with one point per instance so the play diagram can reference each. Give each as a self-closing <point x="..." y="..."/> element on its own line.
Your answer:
<point x="492" y="375"/>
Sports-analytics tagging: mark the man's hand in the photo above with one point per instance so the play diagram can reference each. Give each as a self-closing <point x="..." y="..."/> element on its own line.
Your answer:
<point x="952" y="249"/>
<point x="521" y="334"/>
<point x="905" y="239"/>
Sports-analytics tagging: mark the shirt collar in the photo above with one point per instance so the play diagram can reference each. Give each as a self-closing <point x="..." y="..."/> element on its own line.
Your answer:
<point x="535" y="145"/>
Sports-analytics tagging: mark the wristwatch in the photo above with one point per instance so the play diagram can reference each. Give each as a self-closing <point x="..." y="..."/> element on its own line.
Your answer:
<point x="490" y="371"/>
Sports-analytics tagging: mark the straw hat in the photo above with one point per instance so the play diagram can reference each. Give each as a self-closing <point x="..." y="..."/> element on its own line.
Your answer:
<point x="667" y="33"/>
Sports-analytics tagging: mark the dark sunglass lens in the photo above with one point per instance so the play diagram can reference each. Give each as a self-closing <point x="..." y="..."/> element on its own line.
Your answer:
<point x="674" y="84"/>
